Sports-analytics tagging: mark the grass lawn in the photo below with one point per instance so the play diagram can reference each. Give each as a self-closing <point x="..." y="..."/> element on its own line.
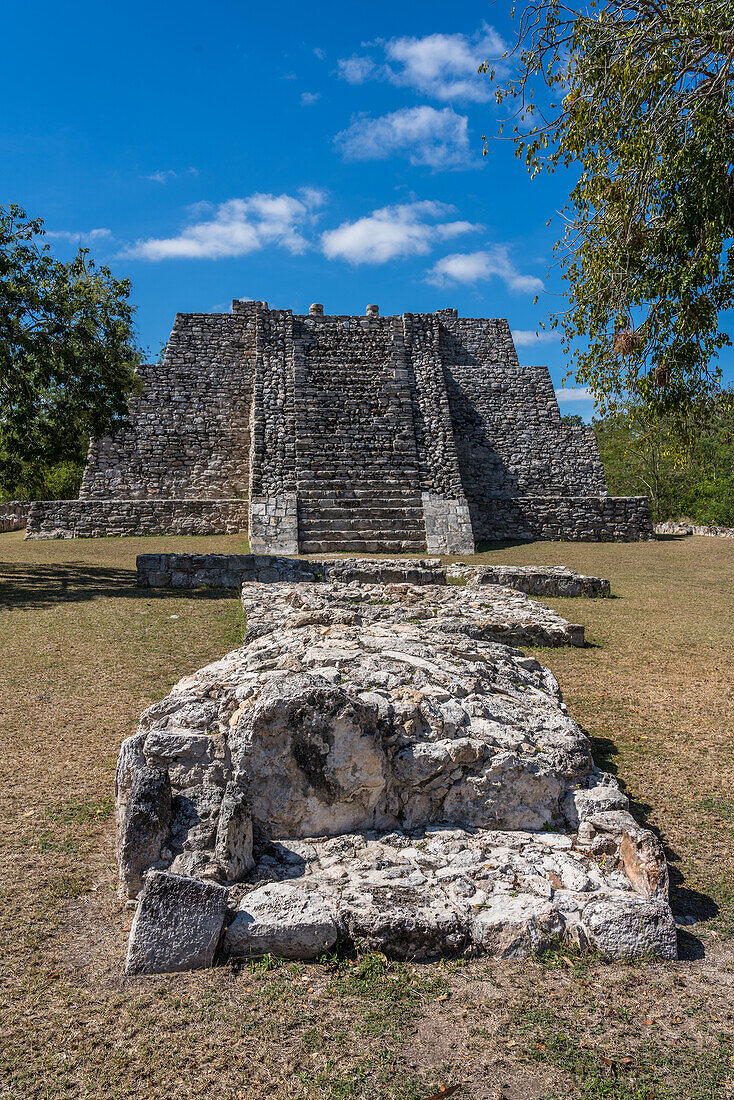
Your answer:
<point x="84" y="651"/>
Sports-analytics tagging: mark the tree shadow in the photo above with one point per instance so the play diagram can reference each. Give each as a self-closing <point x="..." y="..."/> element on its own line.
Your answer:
<point x="42" y="586"/>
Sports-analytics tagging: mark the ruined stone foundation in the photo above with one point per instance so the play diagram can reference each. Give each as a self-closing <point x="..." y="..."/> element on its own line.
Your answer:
<point x="378" y="765"/>
<point x="343" y="434"/>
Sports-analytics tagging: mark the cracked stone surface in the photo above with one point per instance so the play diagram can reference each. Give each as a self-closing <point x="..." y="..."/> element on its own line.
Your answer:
<point x="535" y="580"/>
<point x="491" y="613"/>
<point x="371" y="765"/>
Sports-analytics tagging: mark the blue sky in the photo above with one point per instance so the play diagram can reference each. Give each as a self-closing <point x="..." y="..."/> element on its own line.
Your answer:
<point x="292" y="153"/>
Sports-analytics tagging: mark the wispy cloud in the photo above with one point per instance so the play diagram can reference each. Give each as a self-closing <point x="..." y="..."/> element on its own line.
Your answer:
<point x="426" y="136"/>
<point x="573" y="394"/>
<point x="237" y="227"/>
<point x="309" y="98"/>
<point x="474" y="267"/>
<point x="355" y="70"/>
<point x="80" y="237"/>
<point x="527" y="338"/>
<point x="393" y="232"/>
<point x="163" y="175"/>
<point x="443" y="66"/>
<point x="321" y="54"/>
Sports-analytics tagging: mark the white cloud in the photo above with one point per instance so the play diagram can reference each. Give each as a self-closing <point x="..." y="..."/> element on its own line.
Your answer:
<point x="237" y="227"/>
<point x="438" y="139"/>
<point x="527" y="338"/>
<point x="321" y="54"/>
<point x="443" y="66"/>
<point x="574" y="393"/>
<point x="309" y="98"/>
<point x="355" y="70"/>
<point x="90" y="236"/>
<point x="392" y="232"/>
<point x="473" y="267"/>
<point x="163" y="175"/>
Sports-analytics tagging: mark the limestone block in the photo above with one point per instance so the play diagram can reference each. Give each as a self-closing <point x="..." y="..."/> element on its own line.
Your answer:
<point x="177" y="925"/>
<point x="510" y="927"/>
<point x="144" y="827"/>
<point x="632" y="927"/>
<point x="283" y="920"/>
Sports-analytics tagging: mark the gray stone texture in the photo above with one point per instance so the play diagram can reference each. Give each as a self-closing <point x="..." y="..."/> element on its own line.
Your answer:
<point x="347" y="434"/>
<point x="232" y="570"/>
<point x="535" y="580"/>
<point x="410" y="784"/>
<point x="14" y="515"/>
<point x="672" y="528"/>
<point x="177" y="925"/>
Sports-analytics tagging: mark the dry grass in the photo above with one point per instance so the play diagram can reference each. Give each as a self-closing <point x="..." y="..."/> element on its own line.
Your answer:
<point x="84" y="652"/>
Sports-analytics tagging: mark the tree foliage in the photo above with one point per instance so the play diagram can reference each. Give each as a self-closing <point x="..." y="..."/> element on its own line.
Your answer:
<point x="67" y="355"/>
<point x="642" y="455"/>
<point x="637" y="96"/>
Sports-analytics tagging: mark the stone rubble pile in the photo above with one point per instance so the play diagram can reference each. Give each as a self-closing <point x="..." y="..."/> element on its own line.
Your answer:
<point x="534" y="580"/>
<point x="362" y="770"/>
<point x="670" y="528"/>
<point x="490" y="613"/>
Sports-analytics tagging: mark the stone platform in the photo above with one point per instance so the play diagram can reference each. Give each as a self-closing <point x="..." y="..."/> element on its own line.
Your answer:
<point x="370" y="767"/>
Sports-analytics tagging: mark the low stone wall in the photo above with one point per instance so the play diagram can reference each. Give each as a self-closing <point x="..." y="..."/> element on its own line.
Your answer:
<point x="76" y="519"/>
<point x="234" y="570"/>
<point x="534" y="580"/>
<point x="669" y="528"/>
<point x="14" y="515"/>
<point x="564" y="519"/>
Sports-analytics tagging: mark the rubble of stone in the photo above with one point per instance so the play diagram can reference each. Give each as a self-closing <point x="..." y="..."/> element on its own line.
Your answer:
<point x="14" y="515"/>
<point x="233" y="570"/>
<point x="534" y="580"/>
<point x="363" y="769"/>
<point x="670" y="528"/>
<point x="490" y="613"/>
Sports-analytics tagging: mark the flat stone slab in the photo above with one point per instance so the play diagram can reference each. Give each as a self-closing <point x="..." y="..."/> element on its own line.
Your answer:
<point x="441" y="890"/>
<point x="177" y="925"/>
<point x="534" y="580"/>
<point x="490" y="613"/>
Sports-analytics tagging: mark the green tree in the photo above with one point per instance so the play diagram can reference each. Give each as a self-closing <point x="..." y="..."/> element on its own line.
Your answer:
<point x="636" y="97"/>
<point x="642" y="454"/>
<point x="68" y="355"/>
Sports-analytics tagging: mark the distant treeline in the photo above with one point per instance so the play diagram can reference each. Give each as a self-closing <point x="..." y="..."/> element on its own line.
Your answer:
<point x="646" y="457"/>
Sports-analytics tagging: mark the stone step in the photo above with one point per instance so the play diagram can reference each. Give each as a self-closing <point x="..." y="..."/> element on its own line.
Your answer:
<point x="347" y="546"/>
<point x="376" y="527"/>
<point x="344" y="511"/>
<point x="400" y="496"/>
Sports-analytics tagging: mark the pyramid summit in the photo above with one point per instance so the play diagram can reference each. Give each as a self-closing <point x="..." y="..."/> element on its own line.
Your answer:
<point x="324" y="433"/>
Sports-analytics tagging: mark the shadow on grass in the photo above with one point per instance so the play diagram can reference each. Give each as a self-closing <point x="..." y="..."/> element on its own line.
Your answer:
<point x="43" y="586"/>
<point x="487" y="545"/>
<point x="689" y="906"/>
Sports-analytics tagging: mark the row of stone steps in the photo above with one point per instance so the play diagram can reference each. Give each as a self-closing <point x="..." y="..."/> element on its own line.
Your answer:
<point x="343" y="543"/>
<point x="361" y="517"/>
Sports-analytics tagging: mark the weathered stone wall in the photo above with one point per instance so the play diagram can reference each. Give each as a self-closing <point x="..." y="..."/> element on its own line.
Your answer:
<point x="507" y="424"/>
<point x="576" y="519"/>
<point x="189" y="430"/>
<point x="671" y="527"/>
<point x="233" y="570"/>
<point x="14" y="515"/>
<point x="76" y="519"/>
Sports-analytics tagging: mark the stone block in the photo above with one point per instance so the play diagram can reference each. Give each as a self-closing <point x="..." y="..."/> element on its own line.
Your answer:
<point x="177" y="925"/>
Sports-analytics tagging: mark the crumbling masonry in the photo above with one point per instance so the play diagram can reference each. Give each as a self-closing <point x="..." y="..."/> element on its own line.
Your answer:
<point x="345" y="434"/>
